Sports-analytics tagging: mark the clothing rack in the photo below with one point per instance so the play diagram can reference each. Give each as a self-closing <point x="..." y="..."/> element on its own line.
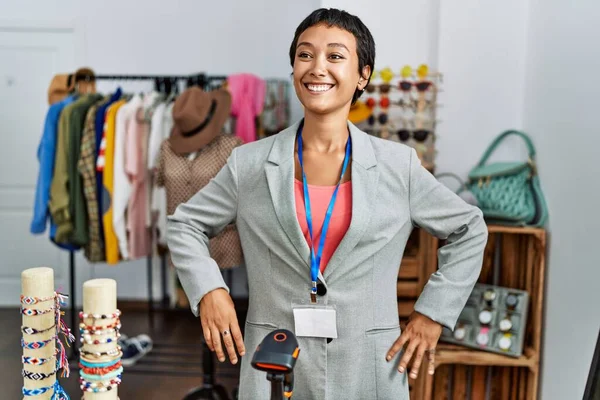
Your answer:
<point x="207" y="82"/>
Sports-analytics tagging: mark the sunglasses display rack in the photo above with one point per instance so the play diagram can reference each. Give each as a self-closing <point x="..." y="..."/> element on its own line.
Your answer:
<point x="493" y="320"/>
<point x="402" y="107"/>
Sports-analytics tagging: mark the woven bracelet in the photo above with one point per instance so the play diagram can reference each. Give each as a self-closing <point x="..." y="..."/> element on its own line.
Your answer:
<point x="35" y="300"/>
<point x="36" y="345"/>
<point x="33" y="331"/>
<point x="35" y="360"/>
<point x="30" y="312"/>
<point x="36" y="376"/>
<point x="59" y="392"/>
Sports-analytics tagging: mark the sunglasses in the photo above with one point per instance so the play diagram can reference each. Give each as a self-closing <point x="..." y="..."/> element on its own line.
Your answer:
<point x="421" y="86"/>
<point x="383" y="88"/>
<point x="384" y="102"/>
<point x="419" y="135"/>
<point x="381" y="118"/>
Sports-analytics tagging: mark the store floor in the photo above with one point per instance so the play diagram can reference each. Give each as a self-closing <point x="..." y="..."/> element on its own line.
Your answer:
<point x="169" y="372"/>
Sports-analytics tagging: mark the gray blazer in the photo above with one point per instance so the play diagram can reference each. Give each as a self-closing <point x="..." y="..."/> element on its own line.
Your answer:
<point x="391" y="194"/>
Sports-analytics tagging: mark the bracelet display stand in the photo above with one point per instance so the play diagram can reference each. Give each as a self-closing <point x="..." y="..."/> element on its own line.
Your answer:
<point x="100" y="300"/>
<point x="39" y="283"/>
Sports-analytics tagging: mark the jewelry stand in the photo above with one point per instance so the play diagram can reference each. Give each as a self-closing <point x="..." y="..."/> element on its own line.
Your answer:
<point x="209" y="390"/>
<point x="100" y="297"/>
<point x="39" y="283"/>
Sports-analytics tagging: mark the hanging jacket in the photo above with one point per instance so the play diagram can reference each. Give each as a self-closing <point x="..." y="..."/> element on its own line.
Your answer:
<point x="46" y="155"/>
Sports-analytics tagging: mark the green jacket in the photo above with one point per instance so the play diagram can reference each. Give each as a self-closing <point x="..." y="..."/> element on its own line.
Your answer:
<point x="66" y="182"/>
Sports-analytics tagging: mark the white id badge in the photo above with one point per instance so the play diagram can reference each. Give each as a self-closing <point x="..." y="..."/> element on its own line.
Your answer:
<point x="315" y="321"/>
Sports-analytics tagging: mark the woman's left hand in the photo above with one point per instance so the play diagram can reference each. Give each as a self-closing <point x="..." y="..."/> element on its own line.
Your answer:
<point x="421" y="334"/>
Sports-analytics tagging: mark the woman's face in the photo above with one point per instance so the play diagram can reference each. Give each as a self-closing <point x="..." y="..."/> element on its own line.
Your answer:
<point x="326" y="69"/>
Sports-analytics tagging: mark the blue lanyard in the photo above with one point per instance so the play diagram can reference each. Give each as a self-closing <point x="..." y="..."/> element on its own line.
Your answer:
<point x="315" y="257"/>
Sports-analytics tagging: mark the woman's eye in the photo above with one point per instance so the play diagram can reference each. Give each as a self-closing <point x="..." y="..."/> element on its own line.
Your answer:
<point x="303" y="55"/>
<point x="336" y="56"/>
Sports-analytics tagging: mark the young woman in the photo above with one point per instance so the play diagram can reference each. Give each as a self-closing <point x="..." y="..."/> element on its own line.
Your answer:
<point x="328" y="275"/>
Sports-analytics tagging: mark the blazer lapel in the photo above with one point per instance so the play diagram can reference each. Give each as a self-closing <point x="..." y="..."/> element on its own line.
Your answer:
<point x="280" y="178"/>
<point x="365" y="177"/>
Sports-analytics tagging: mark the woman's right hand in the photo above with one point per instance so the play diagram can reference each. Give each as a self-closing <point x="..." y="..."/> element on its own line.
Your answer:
<point x="218" y="318"/>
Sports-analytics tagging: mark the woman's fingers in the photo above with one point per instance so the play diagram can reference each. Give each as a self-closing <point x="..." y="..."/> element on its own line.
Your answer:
<point x="228" y="341"/>
<point x="216" y="341"/>
<point x="397" y="346"/>
<point x="416" y="365"/>
<point x="207" y="335"/>
<point x="407" y="356"/>
<point x="236" y="333"/>
<point x="431" y="361"/>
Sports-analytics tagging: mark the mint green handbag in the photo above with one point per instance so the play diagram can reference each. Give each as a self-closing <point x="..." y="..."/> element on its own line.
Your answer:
<point x="509" y="193"/>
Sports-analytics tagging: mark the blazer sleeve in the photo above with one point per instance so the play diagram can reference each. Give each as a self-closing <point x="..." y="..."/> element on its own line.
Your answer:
<point x="191" y="227"/>
<point x="445" y="215"/>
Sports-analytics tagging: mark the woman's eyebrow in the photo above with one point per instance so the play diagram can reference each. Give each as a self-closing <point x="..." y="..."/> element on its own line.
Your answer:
<point x="328" y="45"/>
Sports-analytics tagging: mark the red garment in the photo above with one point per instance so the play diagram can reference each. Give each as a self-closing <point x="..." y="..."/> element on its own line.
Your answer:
<point x="320" y="196"/>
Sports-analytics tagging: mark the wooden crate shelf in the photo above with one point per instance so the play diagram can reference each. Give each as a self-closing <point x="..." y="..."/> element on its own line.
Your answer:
<point x="463" y="372"/>
<point x="450" y="354"/>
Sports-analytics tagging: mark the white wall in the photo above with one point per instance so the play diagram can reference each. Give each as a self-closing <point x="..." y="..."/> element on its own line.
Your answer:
<point x="482" y="57"/>
<point x="177" y="37"/>
<point x="561" y="112"/>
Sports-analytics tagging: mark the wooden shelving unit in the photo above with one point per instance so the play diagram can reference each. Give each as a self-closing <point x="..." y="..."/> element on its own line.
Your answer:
<point x="462" y="372"/>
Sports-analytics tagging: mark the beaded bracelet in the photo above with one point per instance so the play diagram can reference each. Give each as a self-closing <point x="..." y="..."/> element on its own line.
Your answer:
<point x="96" y="378"/>
<point x="30" y="312"/>
<point x="88" y="340"/>
<point x="36" y="376"/>
<point x="99" y="370"/>
<point x="97" y="354"/>
<point x="98" y="390"/>
<point x="114" y="381"/>
<point x="34" y="300"/>
<point x="36" y="345"/>
<point x="35" y="360"/>
<point x="99" y="330"/>
<point x="117" y="314"/>
<point x="33" y="331"/>
<point x="105" y="364"/>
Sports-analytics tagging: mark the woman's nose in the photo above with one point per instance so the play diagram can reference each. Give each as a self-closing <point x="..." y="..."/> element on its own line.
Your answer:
<point x="319" y="67"/>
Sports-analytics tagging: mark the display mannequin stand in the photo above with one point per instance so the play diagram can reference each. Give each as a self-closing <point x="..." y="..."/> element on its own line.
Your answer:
<point x="39" y="283"/>
<point x="100" y="297"/>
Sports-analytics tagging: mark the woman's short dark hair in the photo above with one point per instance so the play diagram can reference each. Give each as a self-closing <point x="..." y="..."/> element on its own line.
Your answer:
<point x="365" y="45"/>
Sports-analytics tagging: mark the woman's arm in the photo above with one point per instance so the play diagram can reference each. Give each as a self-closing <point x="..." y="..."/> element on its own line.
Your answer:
<point x="442" y="213"/>
<point x="191" y="226"/>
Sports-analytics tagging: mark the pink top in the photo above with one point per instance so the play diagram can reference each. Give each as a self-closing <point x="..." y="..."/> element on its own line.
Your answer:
<point x="320" y="196"/>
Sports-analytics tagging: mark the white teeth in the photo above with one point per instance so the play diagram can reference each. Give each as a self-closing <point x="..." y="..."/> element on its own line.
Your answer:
<point x="319" y="88"/>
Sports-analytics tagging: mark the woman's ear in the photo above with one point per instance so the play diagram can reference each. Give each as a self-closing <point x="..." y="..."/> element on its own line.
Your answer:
<point x="366" y="74"/>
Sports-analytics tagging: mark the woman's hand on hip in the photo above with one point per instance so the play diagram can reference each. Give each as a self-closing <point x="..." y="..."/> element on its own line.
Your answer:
<point x="219" y="320"/>
<point x="421" y="336"/>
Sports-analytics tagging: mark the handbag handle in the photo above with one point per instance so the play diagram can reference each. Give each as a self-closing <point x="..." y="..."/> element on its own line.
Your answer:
<point x="463" y="185"/>
<point x="501" y="137"/>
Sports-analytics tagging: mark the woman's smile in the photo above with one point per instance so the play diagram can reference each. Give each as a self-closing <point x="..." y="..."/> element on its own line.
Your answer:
<point x="318" y="88"/>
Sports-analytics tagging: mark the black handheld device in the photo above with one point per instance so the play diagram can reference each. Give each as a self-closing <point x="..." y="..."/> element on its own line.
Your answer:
<point x="277" y="355"/>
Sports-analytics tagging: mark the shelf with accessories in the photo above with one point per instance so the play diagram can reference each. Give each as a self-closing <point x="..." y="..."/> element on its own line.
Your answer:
<point x="466" y="372"/>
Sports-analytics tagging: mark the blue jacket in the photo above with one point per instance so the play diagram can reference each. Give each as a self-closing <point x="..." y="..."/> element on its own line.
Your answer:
<point x="46" y="154"/>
